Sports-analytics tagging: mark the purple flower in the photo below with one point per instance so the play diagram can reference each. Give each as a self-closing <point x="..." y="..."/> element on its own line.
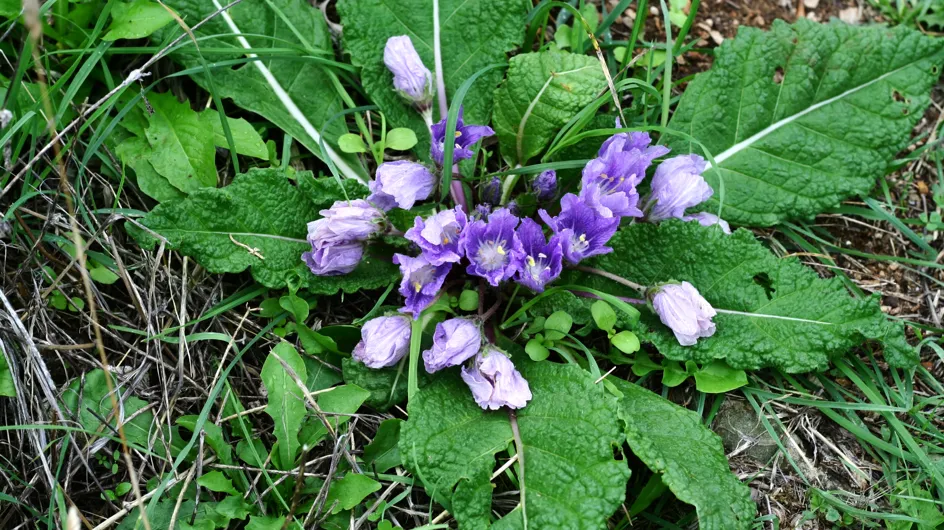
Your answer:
<point x="466" y="135"/>
<point x="584" y="231"/>
<point x="455" y="341"/>
<point x="495" y="383"/>
<point x="492" y="246"/>
<point x="614" y="177"/>
<point x="438" y="236"/>
<point x="684" y="311"/>
<point x="545" y="185"/>
<point x="335" y="258"/>
<point x="709" y="219"/>
<point x="384" y="341"/>
<point x="677" y="185"/>
<point x="481" y="211"/>
<point x="411" y="78"/>
<point x="541" y="260"/>
<point x="401" y="183"/>
<point x="639" y="141"/>
<point x="421" y="281"/>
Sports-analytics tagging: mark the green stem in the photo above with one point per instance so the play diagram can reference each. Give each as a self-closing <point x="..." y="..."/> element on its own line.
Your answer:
<point x="416" y="338"/>
<point x="519" y="447"/>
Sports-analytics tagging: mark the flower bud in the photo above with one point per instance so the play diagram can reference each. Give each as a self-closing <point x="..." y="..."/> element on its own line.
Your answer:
<point x="401" y="183"/>
<point x="545" y="185"/>
<point x="495" y="383"/>
<point x="492" y="191"/>
<point x="384" y="341"/>
<point x="678" y="185"/>
<point x="334" y="259"/>
<point x="455" y="341"/>
<point x="411" y="78"/>
<point x="684" y="311"/>
<point x="345" y="221"/>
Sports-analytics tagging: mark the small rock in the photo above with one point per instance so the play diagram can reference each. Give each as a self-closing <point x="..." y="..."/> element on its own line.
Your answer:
<point x="759" y="21"/>
<point x="716" y="36"/>
<point x="654" y="11"/>
<point x="741" y="430"/>
<point x="811" y="4"/>
<point x="850" y="15"/>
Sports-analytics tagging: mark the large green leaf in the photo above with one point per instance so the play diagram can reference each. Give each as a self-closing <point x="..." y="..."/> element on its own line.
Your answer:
<point x="474" y="34"/>
<point x="789" y="317"/>
<point x="258" y="222"/>
<point x="805" y="115"/>
<point x="542" y="93"/>
<point x="136" y="19"/>
<point x="569" y="431"/>
<point x="673" y="442"/>
<point x="287" y="405"/>
<point x="305" y="80"/>
<point x="181" y="144"/>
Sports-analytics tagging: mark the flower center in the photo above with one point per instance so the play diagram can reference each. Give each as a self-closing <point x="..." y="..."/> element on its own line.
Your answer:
<point x="492" y="255"/>
<point x="537" y="266"/>
<point x="611" y="184"/>
<point x="422" y="276"/>
<point x="579" y="243"/>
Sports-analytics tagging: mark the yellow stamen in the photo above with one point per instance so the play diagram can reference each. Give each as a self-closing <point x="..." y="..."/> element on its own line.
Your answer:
<point x="583" y="237"/>
<point x="445" y="240"/>
<point x="500" y="250"/>
<point x="418" y="286"/>
<point x="530" y="261"/>
<point x="458" y="134"/>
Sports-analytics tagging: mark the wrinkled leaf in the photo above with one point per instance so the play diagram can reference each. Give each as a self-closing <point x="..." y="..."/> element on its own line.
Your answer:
<point x="803" y="116"/>
<point x="245" y="138"/>
<point x="787" y="316"/>
<point x="258" y="222"/>
<point x="568" y="431"/>
<point x="673" y="442"/>
<point x="542" y="93"/>
<point x="474" y="34"/>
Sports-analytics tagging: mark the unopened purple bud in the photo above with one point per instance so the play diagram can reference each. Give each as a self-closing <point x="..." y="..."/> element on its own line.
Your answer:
<point x="492" y="247"/>
<point x="684" y="311"/>
<point x="545" y="185"/>
<point x="401" y="183"/>
<point x="421" y="281"/>
<point x="438" y="235"/>
<point x="495" y="382"/>
<point x="492" y="191"/>
<point x="466" y="135"/>
<point x="541" y="260"/>
<point x="455" y="341"/>
<point x="384" y="341"/>
<point x="345" y="221"/>
<point x="709" y="219"/>
<point x="583" y="227"/>
<point x="334" y="258"/>
<point x="676" y="186"/>
<point x="411" y="78"/>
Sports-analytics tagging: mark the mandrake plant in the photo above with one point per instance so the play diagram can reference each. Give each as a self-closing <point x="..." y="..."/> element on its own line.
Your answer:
<point x="533" y="218"/>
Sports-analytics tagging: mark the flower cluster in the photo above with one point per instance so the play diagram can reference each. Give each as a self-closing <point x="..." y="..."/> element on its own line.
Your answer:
<point x="497" y="245"/>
